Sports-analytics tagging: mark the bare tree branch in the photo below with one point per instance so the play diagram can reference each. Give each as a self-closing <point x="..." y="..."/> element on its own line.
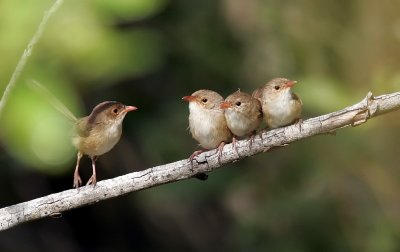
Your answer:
<point x="27" y="52"/>
<point x="57" y="203"/>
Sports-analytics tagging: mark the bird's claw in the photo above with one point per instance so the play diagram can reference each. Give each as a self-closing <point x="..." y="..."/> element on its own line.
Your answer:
<point x="77" y="181"/>
<point x="195" y="154"/>
<point x="219" y="151"/>
<point x="234" y="141"/>
<point x="200" y="176"/>
<point x="92" y="180"/>
<point x="252" y="140"/>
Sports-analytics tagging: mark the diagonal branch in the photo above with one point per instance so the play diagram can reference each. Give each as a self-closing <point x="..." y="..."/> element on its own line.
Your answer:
<point x="54" y="204"/>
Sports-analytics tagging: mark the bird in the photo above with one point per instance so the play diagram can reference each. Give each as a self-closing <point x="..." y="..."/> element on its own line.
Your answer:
<point x="92" y="135"/>
<point x="207" y="122"/>
<point x="243" y="115"/>
<point x="280" y="106"/>
<point x="97" y="133"/>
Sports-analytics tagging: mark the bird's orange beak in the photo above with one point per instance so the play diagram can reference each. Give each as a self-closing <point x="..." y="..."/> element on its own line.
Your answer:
<point x="225" y="105"/>
<point x="290" y="83"/>
<point x="130" y="108"/>
<point x="189" y="98"/>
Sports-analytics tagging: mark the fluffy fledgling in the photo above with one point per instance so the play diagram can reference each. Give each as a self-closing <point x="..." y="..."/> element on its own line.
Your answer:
<point x="207" y="122"/>
<point x="279" y="104"/>
<point x="243" y="114"/>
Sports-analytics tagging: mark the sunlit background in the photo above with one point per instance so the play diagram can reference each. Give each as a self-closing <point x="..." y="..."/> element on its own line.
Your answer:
<point x="326" y="193"/>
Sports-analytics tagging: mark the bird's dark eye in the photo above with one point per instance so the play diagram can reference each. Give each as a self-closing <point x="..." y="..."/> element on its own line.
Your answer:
<point x="238" y="103"/>
<point x="277" y="87"/>
<point x="204" y="100"/>
<point x="115" y="111"/>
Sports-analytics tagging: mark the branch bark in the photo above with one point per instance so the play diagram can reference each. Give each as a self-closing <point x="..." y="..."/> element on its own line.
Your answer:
<point x="55" y="204"/>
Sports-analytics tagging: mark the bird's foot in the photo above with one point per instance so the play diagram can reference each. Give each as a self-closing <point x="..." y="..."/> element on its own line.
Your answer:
<point x="299" y="122"/>
<point x="92" y="180"/>
<point x="200" y="176"/>
<point x="77" y="181"/>
<point x="251" y="139"/>
<point x="195" y="154"/>
<point x="234" y="141"/>
<point x="219" y="151"/>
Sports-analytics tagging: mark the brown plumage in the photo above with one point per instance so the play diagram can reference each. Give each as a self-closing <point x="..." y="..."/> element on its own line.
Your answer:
<point x="279" y="104"/>
<point x="207" y="122"/>
<point x="97" y="134"/>
<point x="243" y="114"/>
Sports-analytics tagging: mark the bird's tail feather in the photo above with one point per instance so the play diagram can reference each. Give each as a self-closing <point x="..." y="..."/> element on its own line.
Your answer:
<point x="57" y="104"/>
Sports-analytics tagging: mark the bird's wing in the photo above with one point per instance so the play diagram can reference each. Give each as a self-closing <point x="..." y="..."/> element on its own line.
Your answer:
<point x="81" y="127"/>
<point x="295" y="97"/>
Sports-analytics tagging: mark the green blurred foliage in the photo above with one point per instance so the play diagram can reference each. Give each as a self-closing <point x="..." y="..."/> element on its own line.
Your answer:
<point x="129" y="10"/>
<point x="326" y="193"/>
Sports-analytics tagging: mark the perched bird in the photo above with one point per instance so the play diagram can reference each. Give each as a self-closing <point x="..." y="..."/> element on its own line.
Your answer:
<point x="94" y="134"/>
<point x="97" y="134"/>
<point x="243" y="115"/>
<point x="279" y="104"/>
<point x="207" y="122"/>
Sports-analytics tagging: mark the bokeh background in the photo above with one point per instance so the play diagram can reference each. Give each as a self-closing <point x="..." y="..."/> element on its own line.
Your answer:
<point x="326" y="193"/>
